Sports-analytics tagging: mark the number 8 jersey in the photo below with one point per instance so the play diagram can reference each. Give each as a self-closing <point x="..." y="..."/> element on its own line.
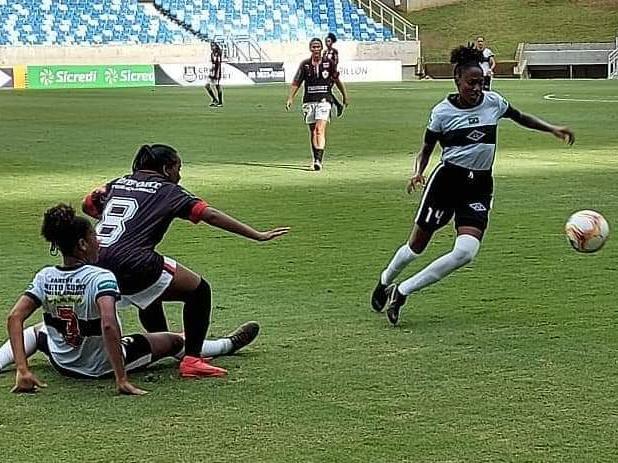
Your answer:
<point x="138" y="210"/>
<point x="68" y="296"/>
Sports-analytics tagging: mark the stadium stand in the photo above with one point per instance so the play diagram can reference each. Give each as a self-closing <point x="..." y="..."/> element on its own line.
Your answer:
<point x="275" y="20"/>
<point x="84" y="22"/>
<point x="566" y="60"/>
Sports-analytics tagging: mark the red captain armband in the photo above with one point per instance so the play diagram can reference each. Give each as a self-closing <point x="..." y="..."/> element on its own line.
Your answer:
<point x="90" y="208"/>
<point x="197" y="210"/>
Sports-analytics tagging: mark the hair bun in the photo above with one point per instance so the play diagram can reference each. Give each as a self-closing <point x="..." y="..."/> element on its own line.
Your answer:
<point x="466" y="55"/>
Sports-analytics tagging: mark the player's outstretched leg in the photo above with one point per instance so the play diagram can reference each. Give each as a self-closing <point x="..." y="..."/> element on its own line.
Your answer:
<point x="400" y="260"/>
<point x="465" y="249"/>
<point x="30" y="343"/>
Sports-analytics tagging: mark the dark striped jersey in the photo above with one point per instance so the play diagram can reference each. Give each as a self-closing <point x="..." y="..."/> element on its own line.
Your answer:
<point x="318" y="78"/>
<point x="468" y="135"/>
<point x="215" y="65"/>
<point x="68" y="296"/>
<point x="138" y="211"/>
<point x="332" y="54"/>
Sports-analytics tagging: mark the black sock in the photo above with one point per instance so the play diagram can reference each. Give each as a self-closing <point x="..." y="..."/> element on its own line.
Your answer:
<point x="211" y="93"/>
<point x="153" y="318"/>
<point x="220" y="94"/>
<point x="196" y="318"/>
<point x="314" y="150"/>
<point x="318" y="154"/>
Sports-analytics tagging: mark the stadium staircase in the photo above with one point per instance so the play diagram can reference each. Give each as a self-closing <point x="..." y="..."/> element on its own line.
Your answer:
<point x="84" y="22"/>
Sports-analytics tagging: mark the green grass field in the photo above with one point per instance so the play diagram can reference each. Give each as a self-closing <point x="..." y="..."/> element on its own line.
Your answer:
<point x="511" y="359"/>
<point x="506" y="23"/>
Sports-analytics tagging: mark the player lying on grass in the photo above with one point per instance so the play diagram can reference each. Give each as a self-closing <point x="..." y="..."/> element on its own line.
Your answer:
<point x="465" y="123"/>
<point x="135" y="212"/>
<point x="81" y="333"/>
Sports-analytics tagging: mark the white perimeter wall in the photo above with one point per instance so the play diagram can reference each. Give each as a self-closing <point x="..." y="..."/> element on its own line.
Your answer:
<point x="406" y="52"/>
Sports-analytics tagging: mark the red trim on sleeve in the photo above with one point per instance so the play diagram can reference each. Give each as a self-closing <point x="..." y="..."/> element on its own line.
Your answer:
<point x="197" y="210"/>
<point x="90" y="208"/>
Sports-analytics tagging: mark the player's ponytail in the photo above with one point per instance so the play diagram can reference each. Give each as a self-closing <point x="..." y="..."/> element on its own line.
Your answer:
<point x="63" y="229"/>
<point x="332" y="37"/>
<point x="154" y="157"/>
<point x="464" y="57"/>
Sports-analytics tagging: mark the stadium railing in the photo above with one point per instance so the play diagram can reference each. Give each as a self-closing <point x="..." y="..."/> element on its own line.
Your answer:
<point x="379" y="12"/>
<point x="612" y="65"/>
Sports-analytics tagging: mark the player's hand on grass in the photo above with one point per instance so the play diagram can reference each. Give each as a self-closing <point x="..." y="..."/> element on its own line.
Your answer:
<point x="564" y="133"/>
<point x="126" y="388"/>
<point x="272" y="234"/>
<point x="26" y="381"/>
<point x="417" y="181"/>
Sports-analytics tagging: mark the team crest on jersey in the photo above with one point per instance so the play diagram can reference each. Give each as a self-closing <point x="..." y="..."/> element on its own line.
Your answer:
<point x="475" y="136"/>
<point x="325" y="74"/>
<point x="478" y="207"/>
<point x="473" y="120"/>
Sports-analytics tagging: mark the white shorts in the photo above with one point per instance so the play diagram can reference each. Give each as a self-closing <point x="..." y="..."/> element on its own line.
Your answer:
<point x="318" y="111"/>
<point x="146" y="297"/>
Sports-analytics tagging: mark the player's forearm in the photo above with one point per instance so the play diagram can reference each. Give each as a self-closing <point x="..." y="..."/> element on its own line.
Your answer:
<point x="293" y="92"/>
<point x="534" y="123"/>
<point x="225" y="222"/>
<point x="111" y="339"/>
<point x="342" y="89"/>
<point x="15" y="327"/>
<point x="422" y="158"/>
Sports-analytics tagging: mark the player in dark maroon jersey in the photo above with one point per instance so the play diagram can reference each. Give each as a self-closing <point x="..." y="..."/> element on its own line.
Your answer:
<point x="214" y="76"/>
<point x="319" y="74"/>
<point x="333" y="54"/>
<point x="135" y="212"/>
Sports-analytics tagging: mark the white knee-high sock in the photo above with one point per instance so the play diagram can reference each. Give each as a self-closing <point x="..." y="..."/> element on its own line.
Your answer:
<point x="400" y="260"/>
<point x="465" y="249"/>
<point x="212" y="348"/>
<point x="6" y="352"/>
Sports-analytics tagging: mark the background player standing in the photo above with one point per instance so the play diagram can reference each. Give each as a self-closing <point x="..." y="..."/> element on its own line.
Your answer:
<point x="488" y="62"/>
<point x="333" y="54"/>
<point x="214" y="76"/>
<point x="319" y="74"/>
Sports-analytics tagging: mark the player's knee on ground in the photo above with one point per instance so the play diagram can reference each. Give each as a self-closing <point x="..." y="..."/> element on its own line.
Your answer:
<point x="466" y="248"/>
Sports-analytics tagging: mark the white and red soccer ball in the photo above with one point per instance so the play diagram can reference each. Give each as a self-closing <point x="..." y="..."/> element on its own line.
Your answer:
<point x="587" y="231"/>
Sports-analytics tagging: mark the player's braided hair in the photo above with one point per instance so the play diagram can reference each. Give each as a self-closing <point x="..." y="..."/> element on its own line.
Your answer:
<point x="465" y="56"/>
<point x="63" y="229"/>
<point x="316" y="39"/>
<point x="154" y="157"/>
<point x="332" y="37"/>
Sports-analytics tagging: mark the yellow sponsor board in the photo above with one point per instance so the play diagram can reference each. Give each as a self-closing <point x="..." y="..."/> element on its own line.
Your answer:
<point x="19" y="76"/>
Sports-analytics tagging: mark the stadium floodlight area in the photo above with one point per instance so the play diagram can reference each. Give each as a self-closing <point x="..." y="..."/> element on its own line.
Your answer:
<point x="84" y="22"/>
<point x="275" y="20"/>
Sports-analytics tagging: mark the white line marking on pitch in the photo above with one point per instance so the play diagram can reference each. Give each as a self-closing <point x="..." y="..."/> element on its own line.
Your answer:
<point x="555" y="98"/>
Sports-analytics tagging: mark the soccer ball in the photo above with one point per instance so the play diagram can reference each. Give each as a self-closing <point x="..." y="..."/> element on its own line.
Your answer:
<point x="587" y="231"/>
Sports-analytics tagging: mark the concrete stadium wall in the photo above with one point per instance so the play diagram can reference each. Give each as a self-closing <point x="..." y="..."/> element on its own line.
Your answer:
<point x="414" y="5"/>
<point x="407" y="52"/>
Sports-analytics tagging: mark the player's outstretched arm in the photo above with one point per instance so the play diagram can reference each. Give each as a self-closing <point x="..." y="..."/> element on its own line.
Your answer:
<point x="535" y="123"/>
<point x="111" y="338"/>
<point x="25" y="380"/>
<point x="417" y="179"/>
<point x="343" y="91"/>
<point x="219" y="219"/>
<point x="93" y="203"/>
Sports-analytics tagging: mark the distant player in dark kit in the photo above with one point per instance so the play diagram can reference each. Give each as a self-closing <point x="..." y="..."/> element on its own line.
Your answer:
<point x="488" y="62"/>
<point x="319" y="74"/>
<point x="81" y="333"/>
<point x="135" y="212"/>
<point x="214" y="76"/>
<point x="332" y="54"/>
<point x="465" y="124"/>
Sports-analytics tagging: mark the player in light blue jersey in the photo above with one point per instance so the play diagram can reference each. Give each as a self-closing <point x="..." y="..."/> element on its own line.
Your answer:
<point x="461" y="186"/>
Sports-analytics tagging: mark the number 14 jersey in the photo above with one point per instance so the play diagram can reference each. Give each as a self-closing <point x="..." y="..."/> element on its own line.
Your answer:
<point x="138" y="210"/>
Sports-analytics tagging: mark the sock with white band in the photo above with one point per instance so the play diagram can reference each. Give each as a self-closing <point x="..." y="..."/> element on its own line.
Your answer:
<point x="400" y="260"/>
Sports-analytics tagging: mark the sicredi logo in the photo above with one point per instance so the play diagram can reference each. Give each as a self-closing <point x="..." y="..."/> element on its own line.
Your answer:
<point x="49" y="77"/>
<point x="112" y="76"/>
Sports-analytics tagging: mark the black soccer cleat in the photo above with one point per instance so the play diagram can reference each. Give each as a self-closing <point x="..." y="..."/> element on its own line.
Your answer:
<point x="379" y="297"/>
<point x="394" y="304"/>
<point x="244" y="335"/>
<point x="213" y="104"/>
<point x="317" y="165"/>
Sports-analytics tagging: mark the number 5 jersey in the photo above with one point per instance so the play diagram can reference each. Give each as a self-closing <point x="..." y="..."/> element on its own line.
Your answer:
<point x="138" y="210"/>
<point x="68" y="297"/>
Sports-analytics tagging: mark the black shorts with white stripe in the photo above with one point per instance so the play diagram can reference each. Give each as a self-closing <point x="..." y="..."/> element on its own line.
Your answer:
<point x="455" y="191"/>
